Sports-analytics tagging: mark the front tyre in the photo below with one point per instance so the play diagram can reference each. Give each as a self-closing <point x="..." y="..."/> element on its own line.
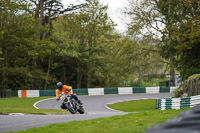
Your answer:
<point x="70" y="108"/>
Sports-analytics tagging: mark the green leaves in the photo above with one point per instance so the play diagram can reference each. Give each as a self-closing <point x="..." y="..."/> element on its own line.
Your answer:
<point x="177" y="22"/>
<point x="78" y="48"/>
<point x="65" y="45"/>
<point x="185" y="31"/>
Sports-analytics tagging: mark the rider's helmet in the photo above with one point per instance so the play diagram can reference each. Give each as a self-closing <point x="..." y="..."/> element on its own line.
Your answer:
<point x="60" y="85"/>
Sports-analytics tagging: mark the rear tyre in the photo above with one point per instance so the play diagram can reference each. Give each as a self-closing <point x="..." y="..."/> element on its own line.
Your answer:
<point x="81" y="110"/>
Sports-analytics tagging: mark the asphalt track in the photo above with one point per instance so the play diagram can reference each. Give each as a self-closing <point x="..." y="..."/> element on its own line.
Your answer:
<point x="95" y="107"/>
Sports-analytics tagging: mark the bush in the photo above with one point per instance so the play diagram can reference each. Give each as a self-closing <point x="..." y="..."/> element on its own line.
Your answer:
<point x="190" y="87"/>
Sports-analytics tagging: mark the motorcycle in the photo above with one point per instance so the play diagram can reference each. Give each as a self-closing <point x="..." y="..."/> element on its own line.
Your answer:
<point x="71" y="104"/>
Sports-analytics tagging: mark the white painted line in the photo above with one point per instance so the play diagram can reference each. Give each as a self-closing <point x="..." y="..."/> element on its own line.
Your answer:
<point x="34" y="105"/>
<point x="110" y="108"/>
<point x="91" y="113"/>
<point x="117" y="101"/>
<point x="15" y="114"/>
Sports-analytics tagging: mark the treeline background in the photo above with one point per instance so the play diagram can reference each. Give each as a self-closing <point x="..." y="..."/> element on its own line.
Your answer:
<point x="43" y="42"/>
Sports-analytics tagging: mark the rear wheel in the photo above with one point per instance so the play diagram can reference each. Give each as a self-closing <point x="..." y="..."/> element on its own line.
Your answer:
<point x="81" y="110"/>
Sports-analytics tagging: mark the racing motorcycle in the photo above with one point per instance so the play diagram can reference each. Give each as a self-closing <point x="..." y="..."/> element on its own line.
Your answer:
<point x="71" y="104"/>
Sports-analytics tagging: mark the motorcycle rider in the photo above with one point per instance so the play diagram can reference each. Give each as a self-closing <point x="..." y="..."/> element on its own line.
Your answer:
<point x="67" y="90"/>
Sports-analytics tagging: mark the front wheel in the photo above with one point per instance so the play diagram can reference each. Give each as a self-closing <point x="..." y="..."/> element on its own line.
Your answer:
<point x="70" y="108"/>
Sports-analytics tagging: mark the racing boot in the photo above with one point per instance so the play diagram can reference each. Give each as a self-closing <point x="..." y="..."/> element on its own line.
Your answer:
<point x="79" y="101"/>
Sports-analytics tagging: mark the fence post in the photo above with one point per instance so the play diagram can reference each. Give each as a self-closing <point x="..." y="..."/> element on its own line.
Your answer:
<point x="5" y="93"/>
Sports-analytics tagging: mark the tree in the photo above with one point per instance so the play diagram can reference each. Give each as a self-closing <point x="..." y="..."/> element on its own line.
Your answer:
<point x="184" y="29"/>
<point x="127" y="59"/>
<point x="17" y="30"/>
<point x="46" y="11"/>
<point x="180" y="34"/>
<point x="168" y="9"/>
<point x="147" y="24"/>
<point x="66" y="45"/>
<point x="96" y="24"/>
<point x="86" y="28"/>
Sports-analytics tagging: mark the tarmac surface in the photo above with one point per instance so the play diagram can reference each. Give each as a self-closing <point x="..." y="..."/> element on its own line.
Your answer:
<point x="95" y="107"/>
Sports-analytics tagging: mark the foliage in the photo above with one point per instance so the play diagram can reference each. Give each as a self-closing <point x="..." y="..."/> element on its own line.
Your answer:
<point x="184" y="31"/>
<point x="34" y="48"/>
<point x="177" y="22"/>
<point x="17" y="30"/>
<point x="41" y="43"/>
<point x="190" y="87"/>
<point x="132" y="56"/>
<point x="79" y="34"/>
<point x="147" y="25"/>
<point x="148" y="82"/>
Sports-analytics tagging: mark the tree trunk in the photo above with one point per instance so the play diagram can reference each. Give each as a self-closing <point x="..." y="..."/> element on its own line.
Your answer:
<point x="5" y="69"/>
<point x="88" y="79"/>
<point x="79" y="77"/>
<point x="48" y="71"/>
<point x="39" y="14"/>
<point x="41" y="11"/>
<point x="172" y="72"/>
<point x="35" y="75"/>
<point x="64" y="73"/>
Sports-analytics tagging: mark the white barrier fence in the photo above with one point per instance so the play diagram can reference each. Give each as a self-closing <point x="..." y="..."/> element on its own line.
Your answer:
<point x="96" y="91"/>
<point x="100" y="91"/>
<point x="177" y="103"/>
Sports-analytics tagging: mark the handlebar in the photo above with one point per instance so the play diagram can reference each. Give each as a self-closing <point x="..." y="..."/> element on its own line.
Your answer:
<point x="64" y="95"/>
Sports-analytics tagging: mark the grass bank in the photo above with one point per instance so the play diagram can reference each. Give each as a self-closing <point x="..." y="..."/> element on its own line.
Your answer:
<point x="130" y="123"/>
<point x="25" y="105"/>
<point x="135" y="106"/>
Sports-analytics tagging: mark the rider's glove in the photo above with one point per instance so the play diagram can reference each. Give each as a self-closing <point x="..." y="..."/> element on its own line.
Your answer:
<point x="68" y="90"/>
<point x="57" y="99"/>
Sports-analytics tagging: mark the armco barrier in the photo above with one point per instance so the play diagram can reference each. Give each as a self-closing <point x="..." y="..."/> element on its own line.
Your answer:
<point x="177" y="103"/>
<point x="32" y="93"/>
<point x="96" y="91"/>
<point x="99" y="91"/>
<point x="125" y="90"/>
<point x="28" y="93"/>
<point x="47" y="92"/>
<point x="139" y="90"/>
<point x="110" y="90"/>
<point x="80" y="91"/>
<point x="164" y="89"/>
<point x="152" y="90"/>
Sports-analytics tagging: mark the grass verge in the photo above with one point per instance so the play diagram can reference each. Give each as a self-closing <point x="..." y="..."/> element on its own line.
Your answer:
<point x="130" y="123"/>
<point x="135" y="106"/>
<point x="25" y="105"/>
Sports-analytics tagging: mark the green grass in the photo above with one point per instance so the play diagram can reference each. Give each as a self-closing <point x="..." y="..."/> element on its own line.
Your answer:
<point x="25" y="105"/>
<point x="135" y="106"/>
<point x="130" y="123"/>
